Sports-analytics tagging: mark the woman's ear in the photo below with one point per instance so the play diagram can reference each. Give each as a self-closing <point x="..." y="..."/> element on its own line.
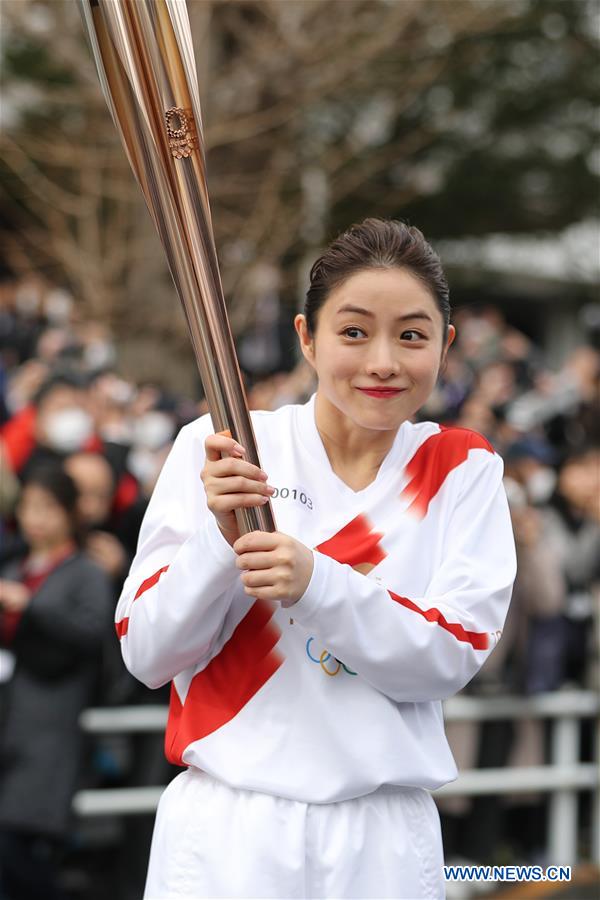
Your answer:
<point x="306" y="341"/>
<point x="450" y="336"/>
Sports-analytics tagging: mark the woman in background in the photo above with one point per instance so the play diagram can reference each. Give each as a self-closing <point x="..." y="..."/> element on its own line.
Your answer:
<point x="54" y="606"/>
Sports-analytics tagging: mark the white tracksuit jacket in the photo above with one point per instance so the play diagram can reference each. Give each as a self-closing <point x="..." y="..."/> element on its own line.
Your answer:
<point x="411" y="584"/>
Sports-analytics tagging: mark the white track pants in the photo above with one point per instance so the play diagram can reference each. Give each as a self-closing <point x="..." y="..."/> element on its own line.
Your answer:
<point x="211" y="840"/>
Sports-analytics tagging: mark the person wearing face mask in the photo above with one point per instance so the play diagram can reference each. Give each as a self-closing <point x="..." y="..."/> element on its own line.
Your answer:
<point x="59" y="424"/>
<point x="530" y="460"/>
<point x="63" y="423"/>
<point x="308" y="665"/>
<point x="152" y="436"/>
<point x="54" y="607"/>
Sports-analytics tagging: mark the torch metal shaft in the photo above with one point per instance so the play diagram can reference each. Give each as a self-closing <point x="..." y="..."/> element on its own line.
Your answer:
<point x="144" y="56"/>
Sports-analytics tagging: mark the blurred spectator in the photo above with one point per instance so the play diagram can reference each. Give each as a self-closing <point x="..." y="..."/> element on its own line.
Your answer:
<point x="96" y="483"/>
<point x="97" y="348"/>
<point x="9" y="490"/>
<point x="56" y="423"/>
<point x="565" y="404"/>
<point x="529" y="659"/>
<point x="110" y="397"/>
<point x="54" y="608"/>
<point x="96" y="486"/>
<point x="24" y="383"/>
<point x="20" y="319"/>
<point x="572" y="532"/>
<point x="108" y="537"/>
<point x="153" y="433"/>
<point x="530" y="463"/>
<point x="63" y="422"/>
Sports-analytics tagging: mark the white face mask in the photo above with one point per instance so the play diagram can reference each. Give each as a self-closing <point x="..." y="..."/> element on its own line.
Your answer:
<point x="153" y="430"/>
<point x="144" y="465"/>
<point x="99" y="354"/>
<point x="540" y="485"/>
<point x="515" y="494"/>
<point x="120" y="431"/>
<point x="68" y="430"/>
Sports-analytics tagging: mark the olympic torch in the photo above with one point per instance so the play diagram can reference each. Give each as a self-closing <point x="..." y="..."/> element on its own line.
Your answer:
<point x="145" y="59"/>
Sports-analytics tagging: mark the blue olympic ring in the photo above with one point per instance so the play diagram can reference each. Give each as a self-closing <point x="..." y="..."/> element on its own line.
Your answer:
<point x="324" y="657"/>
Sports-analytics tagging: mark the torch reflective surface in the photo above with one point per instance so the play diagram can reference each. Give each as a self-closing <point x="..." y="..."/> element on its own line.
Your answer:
<point x="144" y="55"/>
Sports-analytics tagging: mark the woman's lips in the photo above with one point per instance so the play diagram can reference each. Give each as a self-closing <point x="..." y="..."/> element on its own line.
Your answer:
<point x="381" y="393"/>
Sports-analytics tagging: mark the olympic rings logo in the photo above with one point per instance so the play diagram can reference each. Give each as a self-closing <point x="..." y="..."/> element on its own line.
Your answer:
<point x="324" y="658"/>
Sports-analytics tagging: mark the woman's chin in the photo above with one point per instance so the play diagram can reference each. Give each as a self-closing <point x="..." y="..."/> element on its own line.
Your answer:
<point x="377" y="420"/>
<point x="369" y="413"/>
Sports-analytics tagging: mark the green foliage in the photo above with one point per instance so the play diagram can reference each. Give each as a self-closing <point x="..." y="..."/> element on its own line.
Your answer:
<point x="514" y="130"/>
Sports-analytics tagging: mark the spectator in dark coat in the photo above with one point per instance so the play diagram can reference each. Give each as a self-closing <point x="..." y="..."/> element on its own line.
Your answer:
<point x="572" y="532"/>
<point x="54" y="606"/>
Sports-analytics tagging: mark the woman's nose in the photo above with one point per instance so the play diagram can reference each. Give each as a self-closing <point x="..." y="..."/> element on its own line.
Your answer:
<point x="382" y="360"/>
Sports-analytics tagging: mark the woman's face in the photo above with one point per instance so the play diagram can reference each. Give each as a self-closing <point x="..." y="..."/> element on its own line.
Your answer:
<point x="380" y="330"/>
<point x="44" y="522"/>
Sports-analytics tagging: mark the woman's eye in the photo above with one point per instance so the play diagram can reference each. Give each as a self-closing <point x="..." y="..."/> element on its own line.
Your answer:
<point x="412" y="336"/>
<point x="352" y="328"/>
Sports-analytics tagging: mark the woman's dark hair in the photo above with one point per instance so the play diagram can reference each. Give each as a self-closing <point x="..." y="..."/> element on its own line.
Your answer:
<point x="52" y="478"/>
<point x="376" y="244"/>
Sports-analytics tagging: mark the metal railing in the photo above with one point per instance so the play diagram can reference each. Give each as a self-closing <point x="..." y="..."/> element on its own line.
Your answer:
<point x="563" y="778"/>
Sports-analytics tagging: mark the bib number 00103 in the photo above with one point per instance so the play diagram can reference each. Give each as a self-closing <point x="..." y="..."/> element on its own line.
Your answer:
<point x="294" y="494"/>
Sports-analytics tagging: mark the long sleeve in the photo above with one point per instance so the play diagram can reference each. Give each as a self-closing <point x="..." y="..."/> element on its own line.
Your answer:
<point x="173" y="601"/>
<point x="429" y="647"/>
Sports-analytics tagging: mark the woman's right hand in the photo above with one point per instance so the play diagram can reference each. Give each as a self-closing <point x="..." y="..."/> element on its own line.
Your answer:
<point x="231" y="483"/>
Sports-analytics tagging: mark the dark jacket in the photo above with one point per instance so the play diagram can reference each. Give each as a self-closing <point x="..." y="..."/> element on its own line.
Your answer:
<point x="58" y="655"/>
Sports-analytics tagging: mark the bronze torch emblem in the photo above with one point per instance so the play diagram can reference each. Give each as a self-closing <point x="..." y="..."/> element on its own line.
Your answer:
<point x="180" y="128"/>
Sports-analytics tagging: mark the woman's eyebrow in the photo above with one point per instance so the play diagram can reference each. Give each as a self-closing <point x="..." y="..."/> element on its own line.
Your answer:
<point x="417" y="314"/>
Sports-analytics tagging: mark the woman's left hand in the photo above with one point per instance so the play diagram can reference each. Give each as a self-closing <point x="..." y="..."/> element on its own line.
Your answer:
<point x="277" y="567"/>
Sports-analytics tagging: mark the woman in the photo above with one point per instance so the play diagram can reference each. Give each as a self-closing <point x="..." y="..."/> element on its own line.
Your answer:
<point x="54" y="611"/>
<point x="310" y="718"/>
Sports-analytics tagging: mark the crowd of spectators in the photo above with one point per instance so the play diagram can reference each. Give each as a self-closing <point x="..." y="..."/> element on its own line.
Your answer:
<point x="81" y="448"/>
